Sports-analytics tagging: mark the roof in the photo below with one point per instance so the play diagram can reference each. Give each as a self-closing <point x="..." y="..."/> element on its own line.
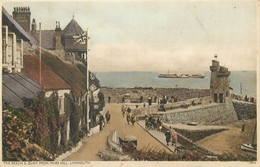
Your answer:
<point x="48" y="41"/>
<point x="15" y="27"/>
<point x="72" y="28"/>
<point x="49" y="79"/>
<point x="18" y="86"/>
<point x="68" y="72"/>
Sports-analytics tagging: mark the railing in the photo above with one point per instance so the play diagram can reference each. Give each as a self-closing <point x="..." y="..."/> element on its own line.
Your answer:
<point x="242" y="98"/>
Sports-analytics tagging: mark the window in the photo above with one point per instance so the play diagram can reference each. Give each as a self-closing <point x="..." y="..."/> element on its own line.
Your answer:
<point x="215" y="97"/>
<point x="11" y="54"/>
<point x="59" y="103"/>
<point x="221" y="98"/>
<point x="4" y="43"/>
<point x="19" y="52"/>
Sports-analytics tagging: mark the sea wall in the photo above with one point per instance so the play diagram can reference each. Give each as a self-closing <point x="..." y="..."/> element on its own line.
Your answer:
<point x="187" y="103"/>
<point x="244" y="110"/>
<point x="117" y="94"/>
<point x="196" y="135"/>
<point x="209" y="114"/>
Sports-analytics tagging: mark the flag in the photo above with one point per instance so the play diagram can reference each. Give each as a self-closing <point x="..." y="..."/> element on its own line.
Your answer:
<point x="81" y="38"/>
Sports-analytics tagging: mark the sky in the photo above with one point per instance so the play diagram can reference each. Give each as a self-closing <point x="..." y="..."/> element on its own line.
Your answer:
<point x="158" y="36"/>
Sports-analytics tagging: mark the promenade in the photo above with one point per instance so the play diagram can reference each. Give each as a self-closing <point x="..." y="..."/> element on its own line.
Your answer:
<point x="92" y="145"/>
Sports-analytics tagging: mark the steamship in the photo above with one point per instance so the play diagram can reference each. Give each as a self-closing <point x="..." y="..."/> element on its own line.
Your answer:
<point x="179" y="75"/>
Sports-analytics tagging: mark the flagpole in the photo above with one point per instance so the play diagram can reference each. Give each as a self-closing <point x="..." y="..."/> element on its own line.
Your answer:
<point x="87" y="63"/>
<point x="40" y="53"/>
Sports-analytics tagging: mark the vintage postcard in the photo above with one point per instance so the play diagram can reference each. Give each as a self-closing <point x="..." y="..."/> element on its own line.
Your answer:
<point x="130" y="83"/>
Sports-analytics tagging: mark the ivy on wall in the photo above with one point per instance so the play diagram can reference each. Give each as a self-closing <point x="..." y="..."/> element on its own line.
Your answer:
<point x="74" y="112"/>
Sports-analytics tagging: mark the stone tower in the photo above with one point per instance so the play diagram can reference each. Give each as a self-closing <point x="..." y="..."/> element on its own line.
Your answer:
<point x="22" y="16"/>
<point x="219" y="83"/>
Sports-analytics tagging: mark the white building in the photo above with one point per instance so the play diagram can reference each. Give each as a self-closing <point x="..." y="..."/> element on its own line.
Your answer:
<point x="13" y="37"/>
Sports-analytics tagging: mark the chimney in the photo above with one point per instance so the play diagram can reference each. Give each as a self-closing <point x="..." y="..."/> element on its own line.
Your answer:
<point x="34" y="25"/>
<point x="22" y="16"/>
<point x="58" y="43"/>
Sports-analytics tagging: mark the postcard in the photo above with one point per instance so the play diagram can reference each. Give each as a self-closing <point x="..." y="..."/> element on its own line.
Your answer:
<point x="129" y="83"/>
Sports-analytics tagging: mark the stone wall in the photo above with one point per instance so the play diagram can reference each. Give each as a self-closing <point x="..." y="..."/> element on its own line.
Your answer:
<point x="209" y="114"/>
<point x="196" y="135"/>
<point x="189" y="102"/>
<point x="117" y="94"/>
<point x="242" y="97"/>
<point x="244" y="110"/>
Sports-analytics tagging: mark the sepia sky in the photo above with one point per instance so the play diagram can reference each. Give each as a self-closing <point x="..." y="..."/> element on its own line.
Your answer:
<point x="158" y="36"/>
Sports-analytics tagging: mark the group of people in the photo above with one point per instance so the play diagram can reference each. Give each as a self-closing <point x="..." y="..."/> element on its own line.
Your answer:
<point x="153" y="123"/>
<point x="130" y="117"/>
<point x="171" y="136"/>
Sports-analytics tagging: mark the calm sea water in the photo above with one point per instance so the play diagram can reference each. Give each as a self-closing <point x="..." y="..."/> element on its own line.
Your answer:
<point x="151" y="79"/>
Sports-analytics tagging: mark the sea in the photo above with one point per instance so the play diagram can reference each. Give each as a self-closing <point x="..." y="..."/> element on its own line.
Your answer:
<point x="242" y="82"/>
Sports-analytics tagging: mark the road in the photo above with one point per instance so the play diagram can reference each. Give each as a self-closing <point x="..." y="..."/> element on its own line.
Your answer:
<point x="98" y="142"/>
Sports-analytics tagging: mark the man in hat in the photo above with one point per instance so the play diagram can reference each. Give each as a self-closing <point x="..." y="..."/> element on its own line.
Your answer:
<point x="101" y="122"/>
<point x="168" y="137"/>
<point x="133" y="119"/>
<point x="149" y="101"/>
<point x="128" y="117"/>
<point x="108" y="117"/>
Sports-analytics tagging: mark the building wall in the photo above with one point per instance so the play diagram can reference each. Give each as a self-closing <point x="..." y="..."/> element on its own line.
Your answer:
<point x="22" y="16"/>
<point x="61" y="98"/>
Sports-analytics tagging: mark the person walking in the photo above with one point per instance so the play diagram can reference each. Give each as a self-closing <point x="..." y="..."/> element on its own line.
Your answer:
<point x="123" y="113"/>
<point x="149" y="101"/>
<point x="147" y="122"/>
<point x="101" y="122"/>
<point x="243" y="126"/>
<point x="128" y="110"/>
<point x="128" y="118"/>
<point x="174" y="138"/>
<point x="133" y="119"/>
<point x="159" y="123"/>
<point x="168" y="137"/>
<point x="108" y="117"/>
<point x="123" y="110"/>
<point x="171" y="132"/>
